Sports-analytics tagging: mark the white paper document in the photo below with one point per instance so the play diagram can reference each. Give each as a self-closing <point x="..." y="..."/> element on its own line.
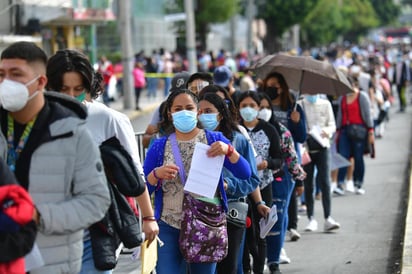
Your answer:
<point x="204" y="173"/>
<point x="267" y="223"/>
<point x="316" y="133"/>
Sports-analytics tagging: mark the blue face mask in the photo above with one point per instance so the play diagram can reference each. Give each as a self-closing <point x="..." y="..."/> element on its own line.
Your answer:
<point x="209" y="120"/>
<point x="185" y="120"/>
<point x="312" y="98"/>
<point x="248" y="114"/>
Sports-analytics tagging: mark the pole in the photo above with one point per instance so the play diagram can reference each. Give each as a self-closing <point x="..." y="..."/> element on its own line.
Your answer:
<point x="190" y="36"/>
<point x="250" y="14"/>
<point x="127" y="53"/>
<point x="93" y="44"/>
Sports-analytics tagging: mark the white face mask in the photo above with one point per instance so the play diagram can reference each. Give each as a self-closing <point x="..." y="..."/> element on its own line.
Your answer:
<point x="265" y="114"/>
<point x="15" y="95"/>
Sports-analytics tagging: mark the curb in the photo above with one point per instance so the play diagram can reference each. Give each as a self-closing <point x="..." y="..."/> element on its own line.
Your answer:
<point x="146" y="110"/>
<point x="407" y="241"/>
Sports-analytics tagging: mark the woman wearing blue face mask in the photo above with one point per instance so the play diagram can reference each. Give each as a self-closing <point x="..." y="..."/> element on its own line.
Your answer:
<point x="168" y="160"/>
<point x="266" y="141"/>
<point x="215" y="115"/>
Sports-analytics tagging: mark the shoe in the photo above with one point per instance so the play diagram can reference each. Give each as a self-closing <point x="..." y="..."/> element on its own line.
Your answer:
<point x="274" y="269"/>
<point x="360" y="191"/>
<point x="302" y="209"/>
<point x="318" y="196"/>
<point x="333" y="185"/>
<point x="283" y="258"/>
<point x="312" y="226"/>
<point x="330" y="224"/>
<point x="293" y="235"/>
<point x="350" y="186"/>
<point x="339" y="191"/>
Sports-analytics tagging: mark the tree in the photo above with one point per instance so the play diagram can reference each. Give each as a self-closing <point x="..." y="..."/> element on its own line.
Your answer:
<point x="348" y="18"/>
<point x="279" y="16"/>
<point x="387" y="11"/>
<point x="206" y="12"/>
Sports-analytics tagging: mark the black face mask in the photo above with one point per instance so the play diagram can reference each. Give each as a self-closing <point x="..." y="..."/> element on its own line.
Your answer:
<point x="272" y="92"/>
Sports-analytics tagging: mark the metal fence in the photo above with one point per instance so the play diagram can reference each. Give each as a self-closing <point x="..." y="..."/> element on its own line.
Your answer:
<point x="142" y="149"/>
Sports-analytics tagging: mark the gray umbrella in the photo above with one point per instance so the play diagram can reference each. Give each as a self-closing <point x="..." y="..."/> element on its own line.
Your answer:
<point x="305" y="74"/>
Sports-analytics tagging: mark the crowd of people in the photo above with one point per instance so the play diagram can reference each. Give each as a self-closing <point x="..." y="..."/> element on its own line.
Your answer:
<point x="260" y="131"/>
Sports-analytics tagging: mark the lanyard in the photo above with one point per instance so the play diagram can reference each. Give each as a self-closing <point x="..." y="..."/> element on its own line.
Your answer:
<point x="178" y="158"/>
<point x="13" y="151"/>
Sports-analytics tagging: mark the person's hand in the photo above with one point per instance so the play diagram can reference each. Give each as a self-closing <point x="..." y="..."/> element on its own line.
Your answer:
<point x="224" y="184"/>
<point x="263" y="210"/>
<point x="371" y="138"/>
<point x="299" y="190"/>
<point x="295" y="116"/>
<point x="218" y="148"/>
<point x="167" y="172"/>
<point x="151" y="230"/>
<point x="262" y="165"/>
<point x="323" y="134"/>
<point x="36" y="216"/>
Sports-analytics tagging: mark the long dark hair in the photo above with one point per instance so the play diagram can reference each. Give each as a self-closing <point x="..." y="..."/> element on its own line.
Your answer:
<point x="286" y="99"/>
<point x="166" y="124"/>
<point x="228" y="99"/>
<point x="227" y="124"/>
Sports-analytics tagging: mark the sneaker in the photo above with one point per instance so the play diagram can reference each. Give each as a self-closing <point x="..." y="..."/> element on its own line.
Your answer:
<point x="312" y="226"/>
<point x="274" y="269"/>
<point x="318" y="196"/>
<point x="360" y="191"/>
<point x="333" y="185"/>
<point x="350" y="186"/>
<point x="330" y="224"/>
<point x="339" y="191"/>
<point x="293" y="235"/>
<point x="283" y="258"/>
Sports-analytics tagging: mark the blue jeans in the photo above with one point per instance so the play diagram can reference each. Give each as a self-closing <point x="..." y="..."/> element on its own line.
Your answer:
<point x="170" y="259"/>
<point x="87" y="261"/>
<point x="282" y="192"/>
<point x="348" y="148"/>
<point x="168" y="83"/>
<point x="151" y="87"/>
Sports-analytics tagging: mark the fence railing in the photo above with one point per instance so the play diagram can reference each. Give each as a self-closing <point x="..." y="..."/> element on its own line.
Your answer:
<point x="142" y="149"/>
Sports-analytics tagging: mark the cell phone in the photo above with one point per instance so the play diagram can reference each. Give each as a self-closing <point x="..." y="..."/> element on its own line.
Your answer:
<point x="373" y="151"/>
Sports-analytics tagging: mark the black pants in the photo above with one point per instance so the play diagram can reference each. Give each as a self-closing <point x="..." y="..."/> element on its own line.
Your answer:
<point x="229" y="264"/>
<point x="293" y="211"/>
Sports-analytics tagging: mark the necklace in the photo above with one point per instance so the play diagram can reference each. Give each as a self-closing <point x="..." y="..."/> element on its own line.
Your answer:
<point x="13" y="151"/>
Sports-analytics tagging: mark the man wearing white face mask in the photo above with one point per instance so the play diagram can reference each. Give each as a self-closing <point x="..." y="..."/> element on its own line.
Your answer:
<point x="45" y="142"/>
<point x="321" y="126"/>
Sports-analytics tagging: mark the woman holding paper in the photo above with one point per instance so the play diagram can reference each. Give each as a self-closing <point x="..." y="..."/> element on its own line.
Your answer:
<point x="168" y="161"/>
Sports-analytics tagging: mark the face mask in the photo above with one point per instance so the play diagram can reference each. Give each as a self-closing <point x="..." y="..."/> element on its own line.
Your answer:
<point x="248" y="114"/>
<point x="272" y="92"/>
<point x="185" y="120"/>
<point x="15" y="95"/>
<point x="312" y="98"/>
<point x="265" y="114"/>
<point x="81" y="97"/>
<point x="209" y="120"/>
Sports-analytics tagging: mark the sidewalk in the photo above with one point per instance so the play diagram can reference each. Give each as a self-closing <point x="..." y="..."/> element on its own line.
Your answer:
<point x="146" y="105"/>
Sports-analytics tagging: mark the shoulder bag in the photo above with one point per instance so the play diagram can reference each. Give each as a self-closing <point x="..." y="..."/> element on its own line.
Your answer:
<point x="203" y="231"/>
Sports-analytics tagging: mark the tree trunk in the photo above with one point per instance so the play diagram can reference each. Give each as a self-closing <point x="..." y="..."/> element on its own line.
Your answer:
<point x="202" y="32"/>
<point x="271" y="42"/>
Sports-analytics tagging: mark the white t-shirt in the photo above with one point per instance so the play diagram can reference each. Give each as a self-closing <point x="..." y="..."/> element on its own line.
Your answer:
<point x="104" y="123"/>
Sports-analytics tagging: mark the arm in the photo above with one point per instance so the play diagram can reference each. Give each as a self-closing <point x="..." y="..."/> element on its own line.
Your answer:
<point x="297" y="126"/>
<point x="274" y="160"/>
<point x="237" y="187"/>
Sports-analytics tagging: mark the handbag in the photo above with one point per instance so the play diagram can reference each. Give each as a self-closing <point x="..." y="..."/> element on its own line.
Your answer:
<point x="203" y="230"/>
<point x="237" y="213"/>
<point x="305" y="159"/>
<point x="356" y="132"/>
<point x="203" y="233"/>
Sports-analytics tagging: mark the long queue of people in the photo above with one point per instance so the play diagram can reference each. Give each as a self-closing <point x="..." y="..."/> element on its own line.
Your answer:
<point x="50" y="141"/>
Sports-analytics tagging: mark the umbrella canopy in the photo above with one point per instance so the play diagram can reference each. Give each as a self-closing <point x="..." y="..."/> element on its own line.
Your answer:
<point x="305" y="74"/>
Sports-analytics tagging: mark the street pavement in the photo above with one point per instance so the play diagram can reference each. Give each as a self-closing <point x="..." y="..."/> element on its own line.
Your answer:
<point x="373" y="236"/>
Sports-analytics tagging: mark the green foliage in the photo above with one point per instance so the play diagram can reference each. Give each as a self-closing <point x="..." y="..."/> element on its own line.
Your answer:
<point x="407" y="2"/>
<point x="387" y="11"/>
